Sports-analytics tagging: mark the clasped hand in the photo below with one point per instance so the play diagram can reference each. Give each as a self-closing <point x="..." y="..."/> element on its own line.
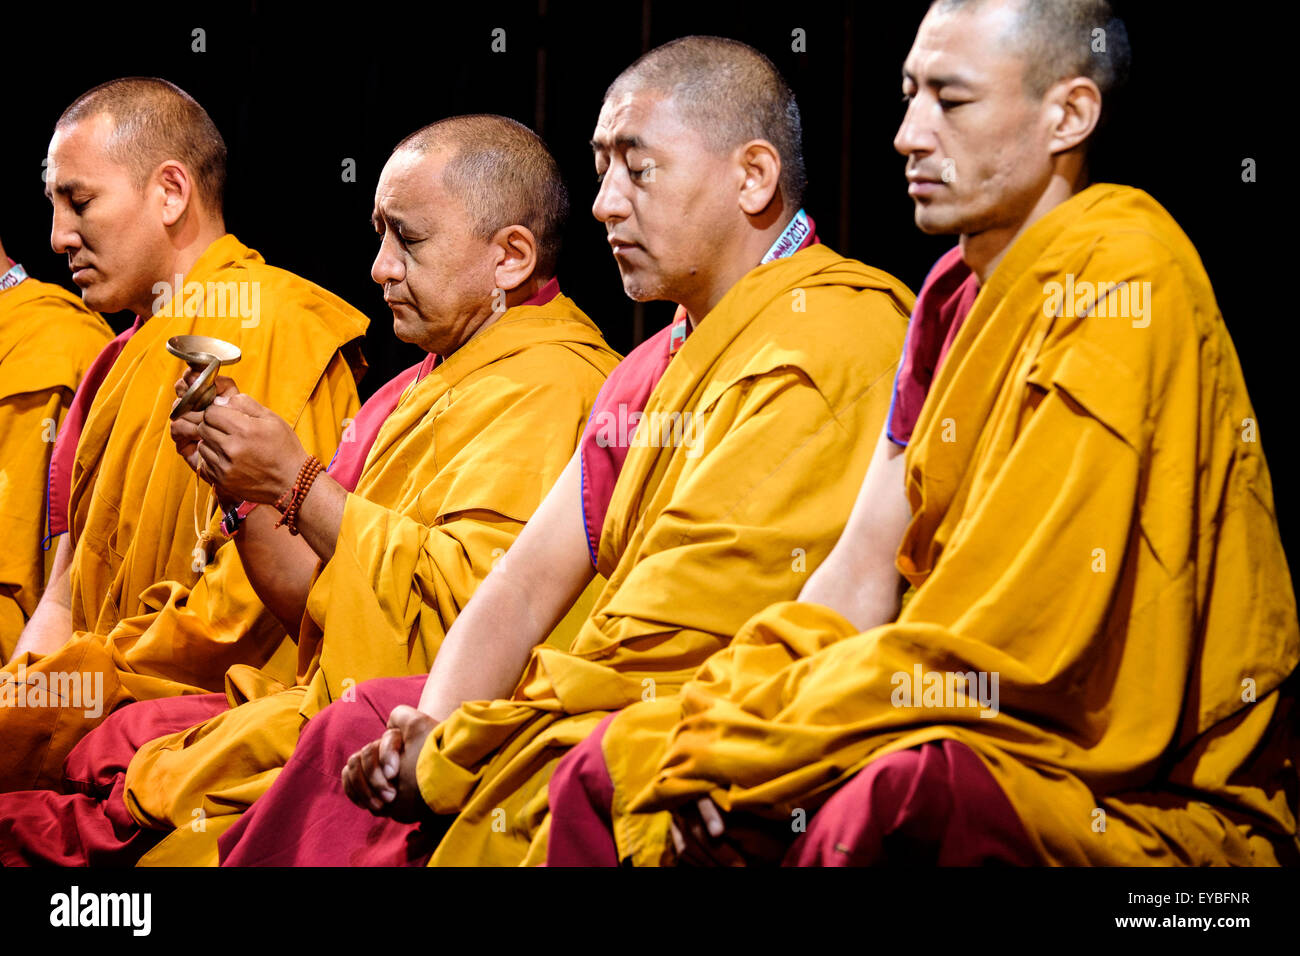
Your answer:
<point x="381" y="776"/>
<point x="246" y="451"/>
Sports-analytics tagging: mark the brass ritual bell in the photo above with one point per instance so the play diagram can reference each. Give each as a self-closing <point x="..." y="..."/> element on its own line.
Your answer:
<point x="205" y="355"/>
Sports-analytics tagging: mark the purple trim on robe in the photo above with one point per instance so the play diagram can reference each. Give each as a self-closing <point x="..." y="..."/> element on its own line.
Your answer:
<point x="946" y="297"/>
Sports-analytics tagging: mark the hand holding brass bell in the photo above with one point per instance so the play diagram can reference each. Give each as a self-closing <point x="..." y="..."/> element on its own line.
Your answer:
<point x="205" y="355"/>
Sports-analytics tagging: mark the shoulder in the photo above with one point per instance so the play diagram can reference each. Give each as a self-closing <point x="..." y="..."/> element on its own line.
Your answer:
<point x="46" y="316"/>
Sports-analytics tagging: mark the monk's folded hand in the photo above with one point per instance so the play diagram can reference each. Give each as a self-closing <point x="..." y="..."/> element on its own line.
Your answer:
<point x="365" y="781"/>
<point x="381" y="777"/>
<point x="702" y="836"/>
<point x="248" y="450"/>
<point x="185" y="435"/>
<point x="185" y="430"/>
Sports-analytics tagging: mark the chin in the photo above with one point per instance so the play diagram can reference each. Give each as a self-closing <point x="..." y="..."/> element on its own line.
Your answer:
<point x="103" y="300"/>
<point x="404" y="333"/>
<point x="933" y="222"/>
<point x="640" y="291"/>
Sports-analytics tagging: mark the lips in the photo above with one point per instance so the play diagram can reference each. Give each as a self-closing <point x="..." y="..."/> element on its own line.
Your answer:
<point x="621" y="246"/>
<point x="923" y="187"/>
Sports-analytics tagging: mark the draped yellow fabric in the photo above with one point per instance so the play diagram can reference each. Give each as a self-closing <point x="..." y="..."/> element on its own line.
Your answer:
<point x="455" y="472"/>
<point x="782" y="389"/>
<point x="48" y="339"/>
<point x="1092" y="525"/>
<point x="142" y="632"/>
<point x="128" y="478"/>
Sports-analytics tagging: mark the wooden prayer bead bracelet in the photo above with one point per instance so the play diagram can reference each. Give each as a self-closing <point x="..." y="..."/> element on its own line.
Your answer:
<point x="289" y="508"/>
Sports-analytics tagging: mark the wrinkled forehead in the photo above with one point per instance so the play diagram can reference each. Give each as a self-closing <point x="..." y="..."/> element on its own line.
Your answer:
<point x="409" y="179"/>
<point x="80" y="151"/>
<point x="638" y="116"/>
<point x="972" y="43"/>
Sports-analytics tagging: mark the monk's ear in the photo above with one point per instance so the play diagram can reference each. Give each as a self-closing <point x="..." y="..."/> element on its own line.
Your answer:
<point x="177" y="190"/>
<point x="515" y="250"/>
<point x="1076" y="110"/>
<point x="760" y="166"/>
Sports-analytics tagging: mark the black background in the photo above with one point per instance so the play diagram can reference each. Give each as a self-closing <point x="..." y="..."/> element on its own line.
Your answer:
<point x="297" y="91"/>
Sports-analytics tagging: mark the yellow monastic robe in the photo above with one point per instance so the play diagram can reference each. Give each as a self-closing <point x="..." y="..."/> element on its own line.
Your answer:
<point x="47" y="341"/>
<point x="455" y="472"/>
<point x="135" y="503"/>
<point x="1092" y="525"/>
<point x="782" y="388"/>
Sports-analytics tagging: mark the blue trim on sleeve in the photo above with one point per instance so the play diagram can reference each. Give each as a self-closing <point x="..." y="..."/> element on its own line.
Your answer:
<point x="582" y="506"/>
<point x="889" y="419"/>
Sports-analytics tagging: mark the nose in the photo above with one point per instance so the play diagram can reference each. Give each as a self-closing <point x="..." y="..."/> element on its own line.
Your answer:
<point x="612" y="204"/>
<point x="388" y="265"/>
<point x="64" y="237"/>
<point x="914" y="134"/>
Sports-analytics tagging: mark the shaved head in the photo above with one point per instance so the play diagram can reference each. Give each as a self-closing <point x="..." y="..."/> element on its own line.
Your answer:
<point x="730" y="93"/>
<point x="154" y="121"/>
<point x="1058" y="39"/>
<point x="503" y="174"/>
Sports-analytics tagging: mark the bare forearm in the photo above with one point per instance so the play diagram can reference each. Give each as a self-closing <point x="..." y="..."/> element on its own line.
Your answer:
<point x="486" y="669"/>
<point x="516" y="606"/>
<point x="279" y="566"/>
<point x="320" y="515"/>
<point x="866" y="603"/>
<point x="50" y="626"/>
<point x="859" y="578"/>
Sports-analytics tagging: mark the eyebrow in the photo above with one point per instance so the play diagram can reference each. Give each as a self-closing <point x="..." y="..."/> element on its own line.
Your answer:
<point x="377" y="220"/>
<point x="935" y="82"/>
<point x="65" y="188"/>
<point x="621" y="142"/>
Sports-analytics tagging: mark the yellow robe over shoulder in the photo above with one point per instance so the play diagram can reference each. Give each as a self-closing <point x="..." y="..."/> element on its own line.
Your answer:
<point x="135" y="503"/>
<point x="782" y="389"/>
<point x="1096" y="531"/>
<point x="48" y="339"/>
<point x="456" y="470"/>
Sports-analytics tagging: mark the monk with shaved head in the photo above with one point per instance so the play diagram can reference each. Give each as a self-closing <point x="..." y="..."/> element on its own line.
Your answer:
<point x="443" y="467"/>
<point x="136" y="173"/>
<point x="48" y="339"/>
<point x="1096" y="664"/>
<point x="716" y="470"/>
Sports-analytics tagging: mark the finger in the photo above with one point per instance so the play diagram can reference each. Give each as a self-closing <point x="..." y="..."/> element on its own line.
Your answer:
<point x="220" y="417"/>
<point x="213" y="457"/>
<point x="375" y="777"/>
<point x="181" y="386"/>
<point x="183" y="431"/>
<point x="354" y="784"/>
<point x="712" y="817"/>
<point x="679" y="844"/>
<point x="226" y="386"/>
<point x="401" y="716"/>
<point x="242" y="403"/>
<point x="390" y="752"/>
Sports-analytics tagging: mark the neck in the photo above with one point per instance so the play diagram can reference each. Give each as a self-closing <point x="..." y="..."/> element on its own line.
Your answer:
<point x="525" y="290"/>
<point x="734" y="263"/>
<point x="984" y="251"/>
<point x="516" y="296"/>
<point x="193" y="242"/>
